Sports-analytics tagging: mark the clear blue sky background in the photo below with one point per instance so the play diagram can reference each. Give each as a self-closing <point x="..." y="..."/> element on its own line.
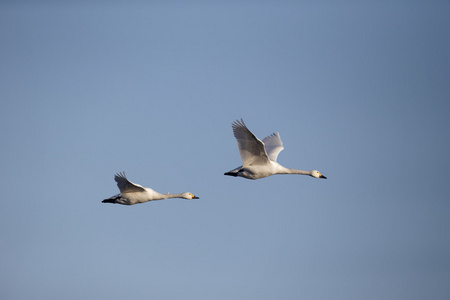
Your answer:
<point x="358" y="90"/>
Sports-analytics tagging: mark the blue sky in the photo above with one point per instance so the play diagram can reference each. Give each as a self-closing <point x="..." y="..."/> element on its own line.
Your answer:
<point x="357" y="90"/>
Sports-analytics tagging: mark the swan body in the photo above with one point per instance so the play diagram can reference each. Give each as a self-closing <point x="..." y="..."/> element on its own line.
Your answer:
<point x="260" y="157"/>
<point x="132" y="193"/>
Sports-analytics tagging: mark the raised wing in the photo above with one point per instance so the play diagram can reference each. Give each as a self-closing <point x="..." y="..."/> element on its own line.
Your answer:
<point x="274" y="145"/>
<point x="250" y="147"/>
<point x="126" y="186"/>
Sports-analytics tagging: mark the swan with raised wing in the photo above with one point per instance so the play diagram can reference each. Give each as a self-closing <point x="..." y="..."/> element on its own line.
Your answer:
<point x="132" y="193"/>
<point x="260" y="157"/>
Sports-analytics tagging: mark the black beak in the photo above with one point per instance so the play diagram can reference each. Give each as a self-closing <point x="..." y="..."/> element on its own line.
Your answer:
<point x="321" y="176"/>
<point x="195" y="197"/>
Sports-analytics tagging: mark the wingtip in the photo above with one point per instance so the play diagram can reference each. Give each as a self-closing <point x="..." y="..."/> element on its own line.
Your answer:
<point x="238" y="123"/>
<point x="120" y="174"/>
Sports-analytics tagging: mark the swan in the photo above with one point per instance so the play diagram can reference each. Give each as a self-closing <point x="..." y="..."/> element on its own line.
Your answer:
<point x="132" y="193"/>
<point x="260" y="157"/>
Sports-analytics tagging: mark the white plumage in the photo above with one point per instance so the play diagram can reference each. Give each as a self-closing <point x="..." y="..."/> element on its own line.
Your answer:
<point x="133" y="193"/>
<point x="260" y="157"/>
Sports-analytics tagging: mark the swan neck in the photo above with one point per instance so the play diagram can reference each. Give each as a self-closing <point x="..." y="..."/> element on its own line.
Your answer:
<point x="168" y="196"/>
<point x="300" y="172"/>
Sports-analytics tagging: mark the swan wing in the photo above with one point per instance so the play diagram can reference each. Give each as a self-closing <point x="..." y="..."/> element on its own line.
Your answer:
<point x="126" y="186"/>
<point x="274" y="145"/>
<point x="250" y="147"/>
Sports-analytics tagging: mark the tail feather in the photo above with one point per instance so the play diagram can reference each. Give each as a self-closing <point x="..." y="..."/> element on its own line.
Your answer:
<point x="112" y="199"/>
<point x="234" y="174"/>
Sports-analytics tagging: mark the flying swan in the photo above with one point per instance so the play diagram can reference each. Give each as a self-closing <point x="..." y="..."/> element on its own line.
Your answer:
<point x="260" y="157"/>
<point x="132" y="193"/>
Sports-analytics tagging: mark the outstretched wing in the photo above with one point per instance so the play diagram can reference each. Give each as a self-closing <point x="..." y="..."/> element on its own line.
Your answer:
<point x="250" y="147"/>
<point x="274" y="145"/>
<point x="126" y="186"/>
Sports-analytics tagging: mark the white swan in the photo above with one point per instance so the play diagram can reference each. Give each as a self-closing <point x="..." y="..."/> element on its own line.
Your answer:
<point x="132" y="193"/>
<point x="260" y="157"/>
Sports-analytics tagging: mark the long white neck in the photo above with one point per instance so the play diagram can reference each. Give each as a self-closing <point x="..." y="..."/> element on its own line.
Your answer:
<point x="167" y="196"/>
<point x="295" y="171"/>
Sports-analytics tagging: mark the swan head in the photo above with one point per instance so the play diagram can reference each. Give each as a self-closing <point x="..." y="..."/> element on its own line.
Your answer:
<point x="317" y="174"/>
<point x="189" y="196"/>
